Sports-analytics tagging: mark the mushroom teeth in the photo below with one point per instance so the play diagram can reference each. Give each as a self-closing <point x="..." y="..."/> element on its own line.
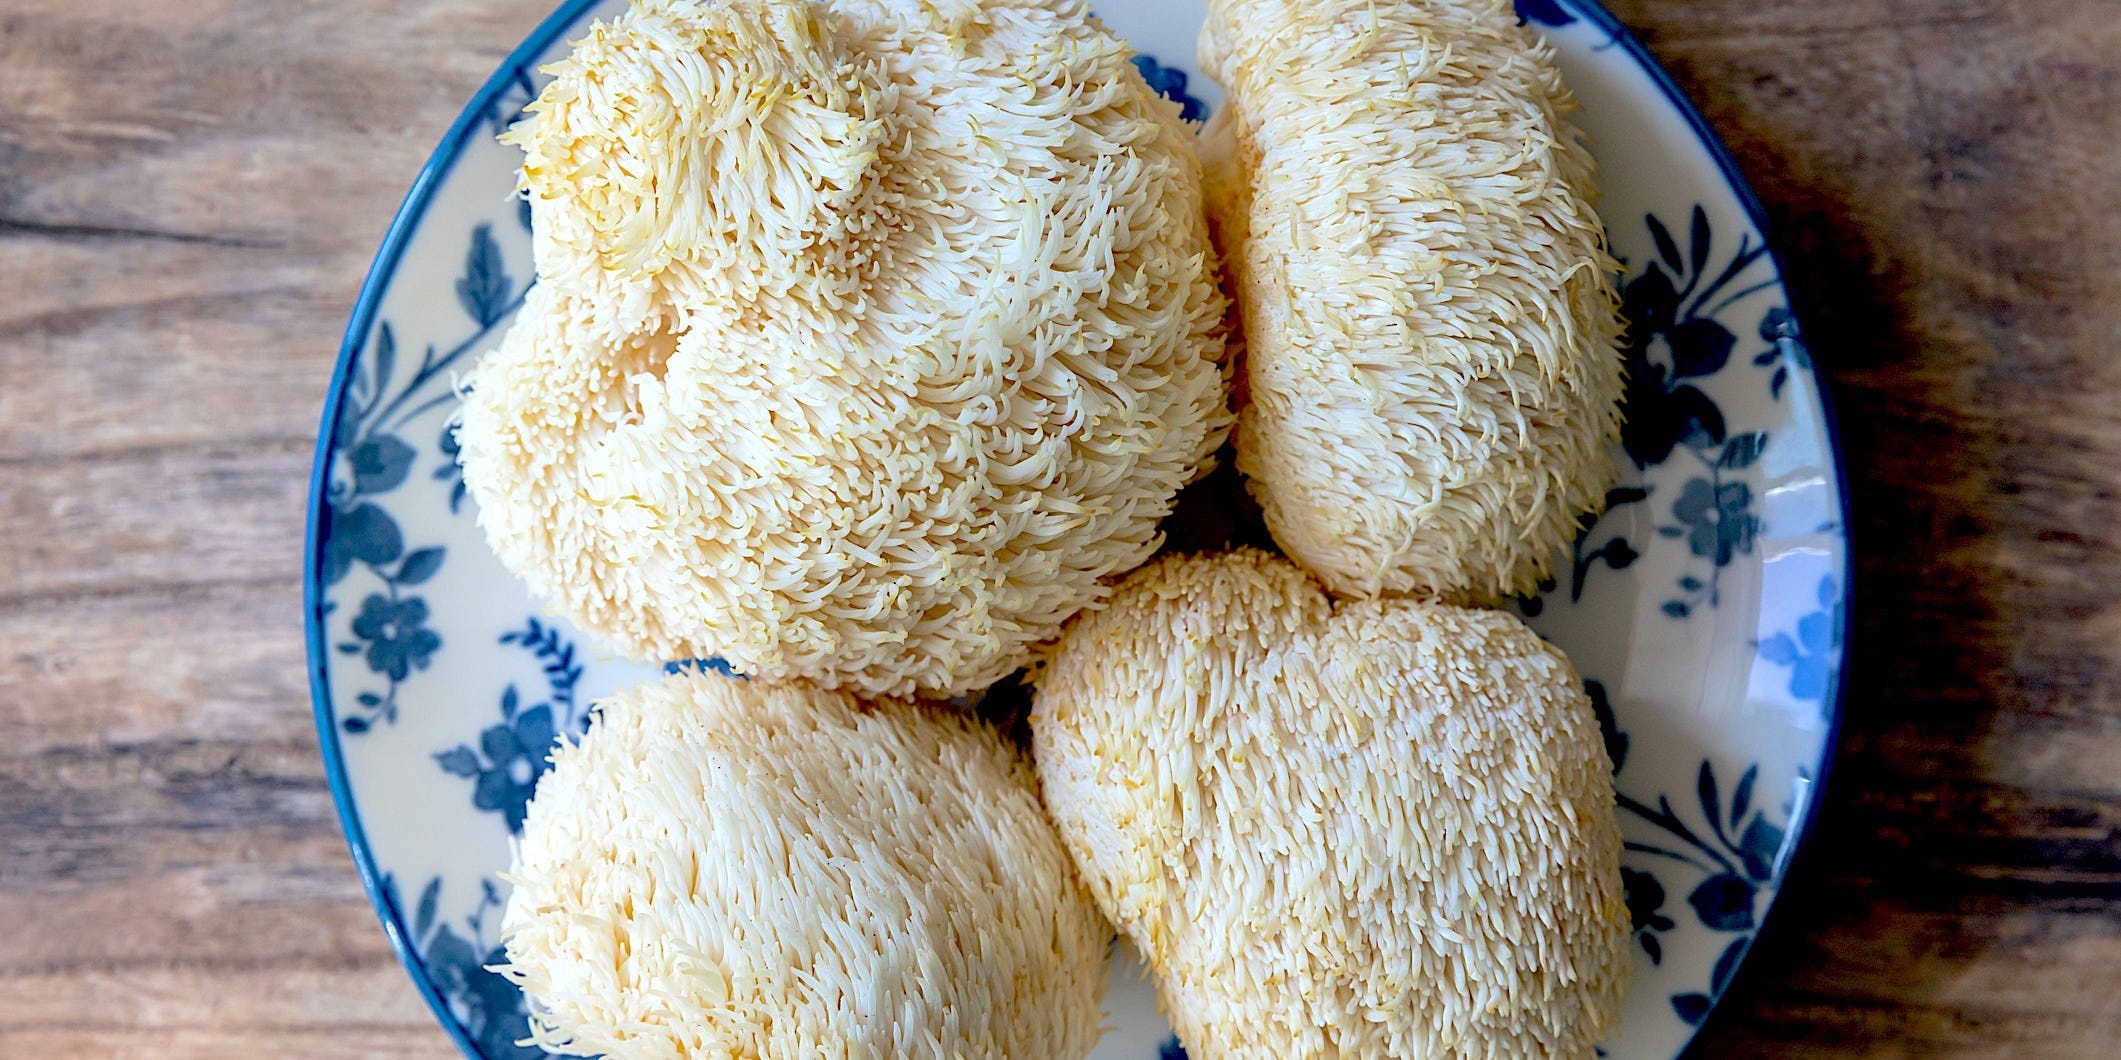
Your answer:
<point x="1377" y="829"/>
<point x="724" y="868"/>
<point x="870" y="336"/>
<point x="1428" y="316"/>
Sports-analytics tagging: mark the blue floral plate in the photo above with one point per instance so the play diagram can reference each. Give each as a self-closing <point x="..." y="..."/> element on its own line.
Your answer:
<point x="1705" y="607"/>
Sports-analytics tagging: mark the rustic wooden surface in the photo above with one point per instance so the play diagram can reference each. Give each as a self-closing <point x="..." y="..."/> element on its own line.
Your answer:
<point x="189" y="196"/>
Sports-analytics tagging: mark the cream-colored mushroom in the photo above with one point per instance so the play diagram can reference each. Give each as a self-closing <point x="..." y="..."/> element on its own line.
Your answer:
<point x="1379" y="829"/>
<point x="870" y="337"/>
<point x="728" y="868"/>
<point x="1428" y="316"/>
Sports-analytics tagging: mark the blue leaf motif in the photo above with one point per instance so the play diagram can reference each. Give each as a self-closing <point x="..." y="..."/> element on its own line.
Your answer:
<point x="1727" y="964"/>
<point x="1758" y="847"/>
<point x="1698" y="233"/>
<point x="1699" y="347"/>
<point x="1693" y="1008"/>
<point x="1723" y="902"/>
<point x="450" y="471"/>
<point x="498" y="1019"/>
<point x="1725" y="899"/>
<point x="426" y="916"/>
<point x="1616" y="742"/>
<point x="1544" y="12"/>
<point x="379" y="463"/>
<point x="1171" y="1050"/>
<point x="1742" y="799"/>
<point x="382" y="359"/>
<point x="363" y="533"/>
<point x="1711" y="805"/>
<point x="1666" y="248"/>
<point x="1816" y="632"/>
<point x="486" y="286"/>
<point x="460" y="761"/>
<point x="419" y="566"/>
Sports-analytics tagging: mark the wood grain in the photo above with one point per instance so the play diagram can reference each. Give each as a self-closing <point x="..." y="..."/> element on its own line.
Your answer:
<point x="189" y="196"/>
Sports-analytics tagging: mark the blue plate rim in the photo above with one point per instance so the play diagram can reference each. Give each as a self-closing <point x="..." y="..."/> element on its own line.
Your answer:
<point x="410" y="213"/>
<point x="414" y="208"/>
<point x="1836" y="699"/>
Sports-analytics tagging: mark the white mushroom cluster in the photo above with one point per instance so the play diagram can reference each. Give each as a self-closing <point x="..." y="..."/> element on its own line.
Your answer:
<point x="870" y="337"/>
<point x="872" y="341"/>
<point x="1371" y="829"/>
<point x="727" y="868"/>
<point x="1427" y="306"/>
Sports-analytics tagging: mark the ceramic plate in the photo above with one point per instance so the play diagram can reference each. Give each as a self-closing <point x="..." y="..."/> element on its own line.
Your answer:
<point x="1705" y="608"/>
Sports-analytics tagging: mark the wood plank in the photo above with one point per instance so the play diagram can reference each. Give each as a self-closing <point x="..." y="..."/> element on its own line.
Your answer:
<point x="153" y="520"/>
<point x="127" y="669"/>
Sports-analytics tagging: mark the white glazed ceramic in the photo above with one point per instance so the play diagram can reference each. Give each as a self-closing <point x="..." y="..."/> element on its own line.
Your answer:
<point x="1705" y="608"/>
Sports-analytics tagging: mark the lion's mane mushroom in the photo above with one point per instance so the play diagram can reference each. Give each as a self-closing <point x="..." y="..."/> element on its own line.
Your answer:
<point x="732" y="868"/>
<point x="1383" y="829"/>
<point x="869" y="337"/>
<point x="1428" y="317"/>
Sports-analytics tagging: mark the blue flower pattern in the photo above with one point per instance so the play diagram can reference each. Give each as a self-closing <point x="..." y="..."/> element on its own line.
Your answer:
<point x="492" y="1009"/>
<point x="1735" y="851"/>
<point x="1672" y="341"/>
<point x="390" y="633"/>
<point x="1814" y="651"/>
<point x="513" y="755"/>
<point x="1714" y="515"/>
<point x="1673" y="337"/>
<point x="398" y="638"/>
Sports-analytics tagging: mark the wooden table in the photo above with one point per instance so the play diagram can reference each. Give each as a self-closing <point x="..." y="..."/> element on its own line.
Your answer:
<point x="189" y="196"/>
